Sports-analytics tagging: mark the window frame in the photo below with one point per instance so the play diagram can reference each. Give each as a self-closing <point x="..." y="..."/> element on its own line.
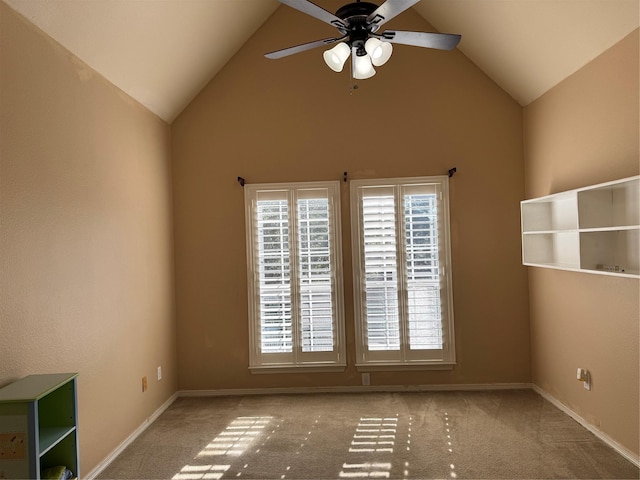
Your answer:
<point x="297" y="360"/>
<point x="404" y="358"/>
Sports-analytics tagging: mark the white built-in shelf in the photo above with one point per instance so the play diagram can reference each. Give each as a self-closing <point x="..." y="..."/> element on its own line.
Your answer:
<point x="591" y="229"/>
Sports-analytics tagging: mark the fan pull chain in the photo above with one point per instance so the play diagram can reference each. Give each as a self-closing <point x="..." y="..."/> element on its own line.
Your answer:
<point x="353" y="85"/>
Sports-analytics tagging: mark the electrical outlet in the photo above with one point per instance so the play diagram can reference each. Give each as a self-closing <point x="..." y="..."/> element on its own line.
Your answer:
<point x="584" y="376"/>
<point x="366" y="379"/>
<point x="159" y="373"/>
<point x="144" y="384"/>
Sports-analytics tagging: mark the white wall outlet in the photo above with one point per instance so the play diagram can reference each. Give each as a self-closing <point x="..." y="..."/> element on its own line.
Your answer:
<point x="366" y="379"/>
<point x="159" y="373"/>
<point x="585" y="377"/>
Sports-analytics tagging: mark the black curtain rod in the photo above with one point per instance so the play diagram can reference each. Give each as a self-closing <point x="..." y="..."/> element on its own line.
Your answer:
<point x="451" y="172"/>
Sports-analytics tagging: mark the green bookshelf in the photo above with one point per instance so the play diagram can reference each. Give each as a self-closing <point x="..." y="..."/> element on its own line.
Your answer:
<point x="38" y="425"/>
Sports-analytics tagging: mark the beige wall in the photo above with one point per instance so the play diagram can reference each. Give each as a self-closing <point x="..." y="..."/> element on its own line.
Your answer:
<point x="582" y="132"/>
<point x="86" y="281"/>
<point x="295" y="120"/>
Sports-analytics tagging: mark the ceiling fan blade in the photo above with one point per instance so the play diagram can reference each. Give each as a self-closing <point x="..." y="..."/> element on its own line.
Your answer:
<point x="285" y="52"/>
<point x="305" y="6"/>
<point x="440" y="41"/>
<point x="388" y="10"/>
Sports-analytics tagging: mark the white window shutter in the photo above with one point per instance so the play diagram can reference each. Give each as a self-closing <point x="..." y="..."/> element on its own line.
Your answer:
<point x="315" y="280"/>
<point x="424" y="312"/>
<point x="380" y="271"/>
<point x="402" y="300"/>
<point x="274" y="270"/>
<point x="296" y="314"/>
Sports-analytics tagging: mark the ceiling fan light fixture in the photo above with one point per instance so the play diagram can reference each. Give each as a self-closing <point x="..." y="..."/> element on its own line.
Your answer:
<point x="358" y="23"/>
<point x="336" y="56"/>
<point x="379" y="51"/>
<point x="363" y="67"/>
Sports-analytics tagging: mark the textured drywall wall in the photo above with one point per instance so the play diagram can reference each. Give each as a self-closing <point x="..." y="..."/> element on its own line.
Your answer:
<point x="293" y="119"/>
<point x="86" y="280"/>
<point x="582" y="132"/>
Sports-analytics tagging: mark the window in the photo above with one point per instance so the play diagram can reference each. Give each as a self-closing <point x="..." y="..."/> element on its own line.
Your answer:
<point x="402" y="276"/>
<point x="296" y="317"/>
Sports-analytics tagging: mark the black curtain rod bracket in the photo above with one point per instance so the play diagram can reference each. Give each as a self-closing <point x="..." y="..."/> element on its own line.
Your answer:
<point x="452" y="171"/>
<point x="241" y="181"/>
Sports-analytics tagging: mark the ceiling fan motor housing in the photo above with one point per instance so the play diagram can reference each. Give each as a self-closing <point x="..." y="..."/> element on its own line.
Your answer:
<point x="356" y="9"/>
<point x="355" y="18"/>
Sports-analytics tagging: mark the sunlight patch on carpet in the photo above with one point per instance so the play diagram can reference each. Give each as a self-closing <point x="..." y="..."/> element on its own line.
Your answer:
<point x="237" y="437"/>
<point x="201" y="472"/>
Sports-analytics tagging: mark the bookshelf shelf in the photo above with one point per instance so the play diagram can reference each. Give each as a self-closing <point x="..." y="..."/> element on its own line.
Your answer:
<point x="592" y="229"/>
<point x="38" y="425"/>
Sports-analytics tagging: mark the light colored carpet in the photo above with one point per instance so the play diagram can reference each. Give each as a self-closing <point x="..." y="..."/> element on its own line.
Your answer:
<point x="448" y="435"/>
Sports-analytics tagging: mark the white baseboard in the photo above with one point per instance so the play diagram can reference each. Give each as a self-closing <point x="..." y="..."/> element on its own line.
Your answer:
<point x="622" y="450"/>
<point x="354" y="389"/>
<point x="136" y="433"/>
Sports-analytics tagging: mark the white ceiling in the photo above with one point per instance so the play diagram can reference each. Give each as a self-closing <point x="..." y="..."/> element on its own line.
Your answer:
<point x="525" y="46"/>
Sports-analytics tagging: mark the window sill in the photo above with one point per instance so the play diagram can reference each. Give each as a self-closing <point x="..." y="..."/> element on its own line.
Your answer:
<point x="397" y="367"/>
<point x="298" y="369"/>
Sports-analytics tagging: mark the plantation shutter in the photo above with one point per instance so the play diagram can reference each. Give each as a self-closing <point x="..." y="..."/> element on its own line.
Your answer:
<point x="402" y="296"/>
<point x="317" y="307"/>
<point x="274" y="274"/>
<point x="380" y="270"/>
<point x="422" y="267"/>
<point x="295" y="294"/>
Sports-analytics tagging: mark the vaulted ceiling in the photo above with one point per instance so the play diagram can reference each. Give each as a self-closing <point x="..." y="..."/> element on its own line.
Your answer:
<point x="162" y="52"/>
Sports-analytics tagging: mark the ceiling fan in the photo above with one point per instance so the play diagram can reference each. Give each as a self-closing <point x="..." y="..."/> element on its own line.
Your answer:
<point x="359" y="24"/>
